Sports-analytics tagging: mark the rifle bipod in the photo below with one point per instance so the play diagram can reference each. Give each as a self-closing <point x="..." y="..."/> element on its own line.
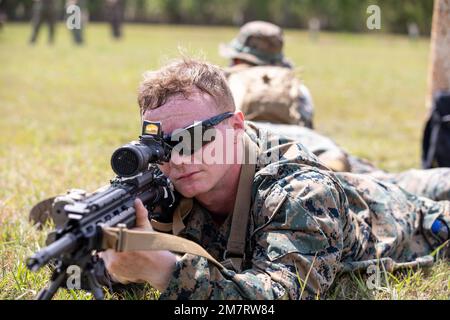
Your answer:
<point x="87" y="280"/>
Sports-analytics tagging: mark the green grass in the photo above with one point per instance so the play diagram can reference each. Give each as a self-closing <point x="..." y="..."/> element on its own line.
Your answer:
<point x="64" y="110"/>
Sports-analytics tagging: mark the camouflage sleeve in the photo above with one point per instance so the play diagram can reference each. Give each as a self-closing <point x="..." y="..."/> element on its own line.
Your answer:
<point x="297" y="243"/>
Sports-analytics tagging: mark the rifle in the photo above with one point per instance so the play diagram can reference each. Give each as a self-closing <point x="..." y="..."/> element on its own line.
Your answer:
<point x="80" y="223"/>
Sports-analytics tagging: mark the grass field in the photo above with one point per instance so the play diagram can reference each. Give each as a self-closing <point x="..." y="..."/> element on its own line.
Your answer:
<point x="64" y="109"/>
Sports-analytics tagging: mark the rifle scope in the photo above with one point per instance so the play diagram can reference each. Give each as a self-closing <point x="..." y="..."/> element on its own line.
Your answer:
<point x="135" y="157"/>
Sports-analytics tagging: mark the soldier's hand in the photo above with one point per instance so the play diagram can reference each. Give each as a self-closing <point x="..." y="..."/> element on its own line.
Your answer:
<point x="154" y="267"/>
<point x="142" y="222"/>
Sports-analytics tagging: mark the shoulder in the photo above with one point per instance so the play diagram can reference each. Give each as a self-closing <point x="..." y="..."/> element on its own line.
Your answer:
<point x="288" y="172"/>
<point x="302" y="186"/>
<point x="279" y="150"/>
<point x="305" y="209"/>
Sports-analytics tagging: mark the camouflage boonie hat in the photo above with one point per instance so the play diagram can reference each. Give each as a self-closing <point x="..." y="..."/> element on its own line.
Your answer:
<point x="258" y="42"/>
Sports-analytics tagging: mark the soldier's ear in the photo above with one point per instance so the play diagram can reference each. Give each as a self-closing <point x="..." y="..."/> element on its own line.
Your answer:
<point x="237" y="120"/>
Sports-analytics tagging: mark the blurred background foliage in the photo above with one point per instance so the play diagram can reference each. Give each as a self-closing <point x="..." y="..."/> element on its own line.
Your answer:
<point x="341" y="15"/>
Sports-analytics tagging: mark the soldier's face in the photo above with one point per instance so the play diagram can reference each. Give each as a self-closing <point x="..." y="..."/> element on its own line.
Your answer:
<point x="197" y="174"/>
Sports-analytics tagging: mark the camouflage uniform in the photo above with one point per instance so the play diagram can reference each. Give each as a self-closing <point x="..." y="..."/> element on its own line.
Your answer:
<point x="430" y="183"/>
<point x="260" y="44"/>
<point x="306" y="223"/>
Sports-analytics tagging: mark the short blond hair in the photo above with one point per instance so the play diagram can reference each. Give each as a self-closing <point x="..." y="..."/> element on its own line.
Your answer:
<point x="182" y="77"/>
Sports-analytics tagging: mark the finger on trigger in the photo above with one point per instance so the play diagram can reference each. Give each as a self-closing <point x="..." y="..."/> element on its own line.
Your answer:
<point x="141" y="215"/>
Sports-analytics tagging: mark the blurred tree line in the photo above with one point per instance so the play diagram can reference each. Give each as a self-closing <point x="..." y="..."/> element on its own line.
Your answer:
<point x="336" y="15"/>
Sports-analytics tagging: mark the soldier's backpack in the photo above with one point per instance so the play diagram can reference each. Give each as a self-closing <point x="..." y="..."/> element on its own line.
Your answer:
<point x="267" y="93"/>
<point x="436" y="138"/>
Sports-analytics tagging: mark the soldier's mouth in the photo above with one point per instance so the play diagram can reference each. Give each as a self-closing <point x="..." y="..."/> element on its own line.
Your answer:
<point x="187" y="176"/>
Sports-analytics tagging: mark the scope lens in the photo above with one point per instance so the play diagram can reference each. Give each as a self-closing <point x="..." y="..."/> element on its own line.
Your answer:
<point x="125" y="162"/>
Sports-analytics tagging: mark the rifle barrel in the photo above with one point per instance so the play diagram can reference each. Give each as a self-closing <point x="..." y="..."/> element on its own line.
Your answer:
<point x="64" y="244"/>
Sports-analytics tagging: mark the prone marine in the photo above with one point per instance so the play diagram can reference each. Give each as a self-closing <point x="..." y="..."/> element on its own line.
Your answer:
<point x="272" y="221"/>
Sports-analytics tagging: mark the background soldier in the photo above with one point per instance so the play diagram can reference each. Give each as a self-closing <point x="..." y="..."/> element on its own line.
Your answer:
<point x="258" y="66"/>
<point x="43" y="11"/>
<point x="262" y="90"/>
<point x="115" y="12"/>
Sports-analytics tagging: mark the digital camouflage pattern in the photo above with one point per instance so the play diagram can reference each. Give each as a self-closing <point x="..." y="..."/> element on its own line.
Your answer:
<point x="306" y="225"/>
<point x="430" y="183"/>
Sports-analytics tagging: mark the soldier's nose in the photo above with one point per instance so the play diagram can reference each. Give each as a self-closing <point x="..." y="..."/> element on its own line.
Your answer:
<point x="177" y="160"/>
